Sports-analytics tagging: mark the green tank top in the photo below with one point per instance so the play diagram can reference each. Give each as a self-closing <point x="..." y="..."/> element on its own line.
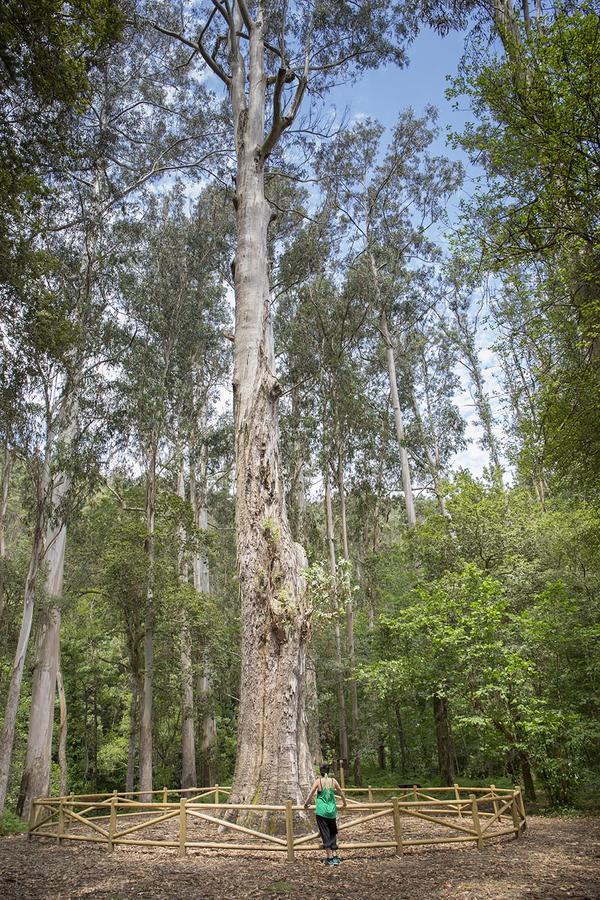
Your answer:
<point x="325" y="805"/>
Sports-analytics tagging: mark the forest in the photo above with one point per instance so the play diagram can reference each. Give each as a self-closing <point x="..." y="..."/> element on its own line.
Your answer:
<point x="249" y="345"/>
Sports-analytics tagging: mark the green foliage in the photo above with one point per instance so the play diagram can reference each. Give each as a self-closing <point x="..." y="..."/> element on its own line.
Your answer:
<point x="11" y="824"/>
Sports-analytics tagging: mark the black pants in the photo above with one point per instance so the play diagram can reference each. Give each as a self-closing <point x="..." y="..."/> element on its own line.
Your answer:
<point x="328" y="831"/>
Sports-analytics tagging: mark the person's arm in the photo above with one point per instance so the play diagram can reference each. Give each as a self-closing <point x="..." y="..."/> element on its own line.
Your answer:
<point x="312" y="791"/>
<point x="340" y="792"/>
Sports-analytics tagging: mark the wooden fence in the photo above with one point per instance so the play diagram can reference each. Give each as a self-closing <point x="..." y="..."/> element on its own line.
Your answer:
<point x="468" y="814"/>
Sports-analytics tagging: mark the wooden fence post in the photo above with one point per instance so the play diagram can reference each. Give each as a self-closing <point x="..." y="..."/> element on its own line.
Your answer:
<point x="415" y="793"/>
<point x="69" y="807"/>
<point x="397" y="827"/>
<point x="342" y="775"/>
<point x="289" y="830"/>
<point x="370" y="794"/>
<point x="32" y="815"/>
<point x="522" y="809"/>
<point x="61" y="821"/>
<point x="182" y="827"/>
<point x="457" y="795"/>
<point x="216" y="793"/>
<point x="476" y="822"/>
<point x="165" y="795"/>
<point x="494" y="801"/>
<point x="515" y="815"/>
<point x="112" y="825"/>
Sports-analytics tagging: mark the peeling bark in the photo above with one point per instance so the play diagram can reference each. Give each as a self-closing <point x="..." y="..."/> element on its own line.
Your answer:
<point x="273" y="762"/>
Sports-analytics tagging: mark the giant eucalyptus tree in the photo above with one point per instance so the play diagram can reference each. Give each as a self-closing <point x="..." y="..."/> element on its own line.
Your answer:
<point x="270" y="56"/>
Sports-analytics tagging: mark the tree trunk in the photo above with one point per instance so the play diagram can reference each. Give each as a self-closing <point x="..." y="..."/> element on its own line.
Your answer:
<point x="401" y="742"/>
<point x="146" y="711"/>
<point x="312" y="713"/>
<point x="37" y="554"/>
<point x="411" y="517"/>
<point x="188" y="744"/>
<point x="4" y="492"/>
<point x="343" y="733"/>
<point x="62" y="733"/>
<point x="444" y="739"/>
<point x="7" y="465"/>
<point x="134" y="681"/>
<point x="528" y="784"/>
<point x="201" y="573"/>
<point x="355" y="720"/>
<point x="16" y="678"/>
<point x="272" y="762"/>
<point x="35" y="781"/>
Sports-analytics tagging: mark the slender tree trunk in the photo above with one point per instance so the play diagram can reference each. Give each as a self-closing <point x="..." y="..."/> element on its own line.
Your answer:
<point x="355" y="719"/>
<point x="146" y="711"/>
<point x="272" y="758"/>
<point x="312" y="712"/>
<point x="4" y="493"/>
<point x="188" y="744"/>
<point x="16" y="678"/>
<point x="134" y="687"/>
<point x="401" y="741"/>
<point x="62" y="733"/>
<point x="201" y="573"/>
<point x="411" y="517"/>
<point x="343" y="733"/>
<point x="528" y="784"/>
<point x="7" y="465"/>
<point x="444" y="739"/>
<point x="35" y="781"/>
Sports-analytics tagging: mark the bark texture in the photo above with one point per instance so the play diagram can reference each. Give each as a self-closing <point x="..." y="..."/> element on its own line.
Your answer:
<point x="273" y="762"/>
<point x="445" y="741"/>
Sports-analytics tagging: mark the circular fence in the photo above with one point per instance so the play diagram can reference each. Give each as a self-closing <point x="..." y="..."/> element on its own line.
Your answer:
<point x="202" y="819"/>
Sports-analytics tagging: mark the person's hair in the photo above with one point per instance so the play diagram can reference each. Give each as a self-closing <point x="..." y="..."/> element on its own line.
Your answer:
<point x="324" y="770"/>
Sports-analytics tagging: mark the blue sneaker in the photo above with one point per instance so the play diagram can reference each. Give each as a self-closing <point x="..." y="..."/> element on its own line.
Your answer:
<point x="330" y="862"/>
<point x="335" y="861"/>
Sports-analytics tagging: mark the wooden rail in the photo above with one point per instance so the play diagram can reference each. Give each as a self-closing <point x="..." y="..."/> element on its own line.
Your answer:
<point x="473" y="814"/>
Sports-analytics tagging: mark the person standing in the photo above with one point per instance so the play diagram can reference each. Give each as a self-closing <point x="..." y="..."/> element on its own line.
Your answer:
<point x="325" y="788"/>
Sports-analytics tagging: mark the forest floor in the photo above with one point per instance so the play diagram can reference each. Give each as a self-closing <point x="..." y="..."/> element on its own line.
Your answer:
<point x="554" y="858"/>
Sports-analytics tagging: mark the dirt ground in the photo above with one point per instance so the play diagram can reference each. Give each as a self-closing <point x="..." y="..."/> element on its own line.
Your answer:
<point x="555" y="858"/>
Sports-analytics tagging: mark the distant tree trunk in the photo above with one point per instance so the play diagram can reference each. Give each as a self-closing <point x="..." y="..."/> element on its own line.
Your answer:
<point x="201" y="573"/>
<point x="444" y="739"/>
<point x="312" y="712"/>
<point x="343" y="733"/>
<point x="468" y="348"/>
<point x="355" y="720"/>
<point x="401" y="740"/>
<point x="7" y="464"/>
<point x="133" y="731"/>
<point x="188" y="745"/>
<point x="4" y="493"/>
<point x="62" y="733"/>
<point x="528" y="784"/>
<point x="411" y="516"/>
<point x="146" y="711"/>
